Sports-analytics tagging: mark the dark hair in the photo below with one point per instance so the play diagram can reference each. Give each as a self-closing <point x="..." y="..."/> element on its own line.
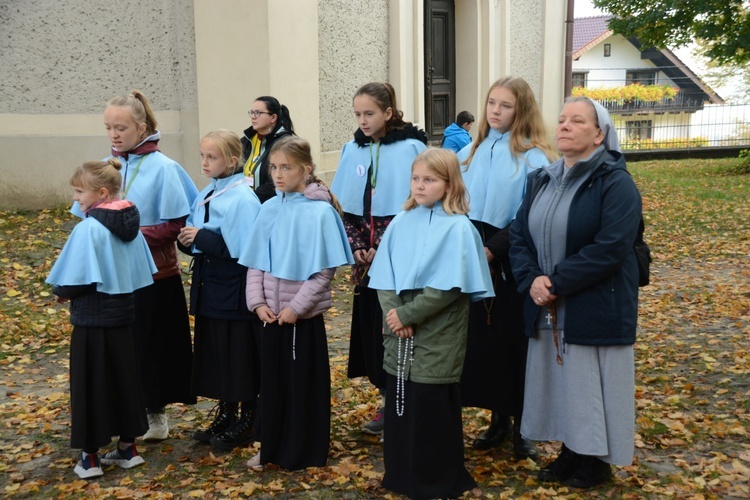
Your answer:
<point x="282" y="112"/>
<point x="464" y="117"/>
<point x="385" y="97"/>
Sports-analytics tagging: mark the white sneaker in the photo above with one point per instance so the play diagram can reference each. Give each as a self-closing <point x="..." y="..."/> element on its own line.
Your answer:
<point x="88" y="467"/>
<point x="254" y="463"/>
<point x="126" y="458"/>
<point x="158" y="429"/>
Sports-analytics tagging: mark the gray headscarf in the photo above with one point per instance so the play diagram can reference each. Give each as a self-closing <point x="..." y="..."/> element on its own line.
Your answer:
<point x="611" y="142"/>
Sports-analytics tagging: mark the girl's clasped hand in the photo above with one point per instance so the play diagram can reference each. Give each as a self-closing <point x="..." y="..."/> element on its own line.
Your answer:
<point x="394" y="323"/>
<point x="286" y="315"/>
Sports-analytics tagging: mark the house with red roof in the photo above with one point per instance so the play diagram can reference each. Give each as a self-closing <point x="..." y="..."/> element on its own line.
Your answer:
<point x="651" y="93"/>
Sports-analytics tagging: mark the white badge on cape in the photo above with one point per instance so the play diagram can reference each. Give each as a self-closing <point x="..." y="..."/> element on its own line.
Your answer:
<point x="361" y="170"/>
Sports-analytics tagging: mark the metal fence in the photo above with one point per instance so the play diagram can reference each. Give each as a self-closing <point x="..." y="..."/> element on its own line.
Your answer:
<point x="651" y="127"/>
<point x="648" y="120"/>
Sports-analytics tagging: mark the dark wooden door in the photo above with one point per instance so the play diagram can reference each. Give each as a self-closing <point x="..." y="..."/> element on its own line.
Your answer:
<point x="440" y="66"/>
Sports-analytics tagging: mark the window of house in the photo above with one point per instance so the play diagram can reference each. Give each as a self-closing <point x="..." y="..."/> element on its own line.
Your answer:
<point x="638" y="129"/>
<point x="642" y="77"/>
<point x="579" y="79"/>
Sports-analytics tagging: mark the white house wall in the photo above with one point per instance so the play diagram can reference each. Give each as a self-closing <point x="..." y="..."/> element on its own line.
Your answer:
<point x="610" y="71"/>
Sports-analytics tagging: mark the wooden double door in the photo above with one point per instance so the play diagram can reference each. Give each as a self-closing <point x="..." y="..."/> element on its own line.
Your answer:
<point x="440" y="66"/>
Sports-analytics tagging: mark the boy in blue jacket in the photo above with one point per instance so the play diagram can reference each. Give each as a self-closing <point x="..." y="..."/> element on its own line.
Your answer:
<point x="456" y="136"/>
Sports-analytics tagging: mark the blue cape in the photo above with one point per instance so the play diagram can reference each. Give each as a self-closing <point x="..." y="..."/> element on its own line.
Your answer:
<point x="426" y="247"/>
<point x="161" y="189"/>
<point x="231" y="212"/>
<point x="393" y="180"/>
<point x="295" y="237"/>
<point x="496" y="180"/>
<point x="93" y="254"/>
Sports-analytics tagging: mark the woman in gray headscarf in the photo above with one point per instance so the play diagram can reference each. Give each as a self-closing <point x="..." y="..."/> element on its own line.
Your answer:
<point x="572" y="255"/>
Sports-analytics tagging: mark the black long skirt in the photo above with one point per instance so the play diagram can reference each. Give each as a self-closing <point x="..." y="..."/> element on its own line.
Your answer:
<point x="294" y="409"/>
<point x="423" y="450"/>
<point x="495" y="364"/>
<point x="366" y="340"/>
<point x="106" y="392"/>
<point x="225" y="359"/>
<point x="162" y="342"/>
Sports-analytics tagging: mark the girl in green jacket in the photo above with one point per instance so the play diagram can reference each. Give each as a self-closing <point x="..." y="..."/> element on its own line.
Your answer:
<point x="429" y="266"/>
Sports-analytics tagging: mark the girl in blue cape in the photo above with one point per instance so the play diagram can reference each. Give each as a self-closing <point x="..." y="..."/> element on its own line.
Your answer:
<point x="511" y="142"/>
<point x="428" y="268"/>
<point x="225" y="356"/>
<point x="103" y="262"/>
<point x="163" y="193"/>
<point x="292" y="253"/>
<point x="372" y="183"/>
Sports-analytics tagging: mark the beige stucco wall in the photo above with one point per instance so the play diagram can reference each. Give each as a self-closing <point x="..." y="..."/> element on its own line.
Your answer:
<point x="249" y="49"/>
<point x="61" y="62"/>
<point x="353" y="50"/>
<point x="510" y="37"/>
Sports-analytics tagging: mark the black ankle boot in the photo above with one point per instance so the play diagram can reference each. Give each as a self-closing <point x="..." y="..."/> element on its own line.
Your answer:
<point x="495" y="434"/>
<point x="591" y="472"/>
<point x="562" y="467"/>
<point x="226" y="416"/>
<point x="522" y="448"/>
<point x="240" y="434"/>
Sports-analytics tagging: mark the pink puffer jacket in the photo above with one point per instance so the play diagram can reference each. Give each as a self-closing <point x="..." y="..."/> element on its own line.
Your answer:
<point x="306" y="298"/>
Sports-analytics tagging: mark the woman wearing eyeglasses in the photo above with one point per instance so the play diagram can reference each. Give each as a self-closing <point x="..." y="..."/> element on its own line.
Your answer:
<point x="270" y="121"/>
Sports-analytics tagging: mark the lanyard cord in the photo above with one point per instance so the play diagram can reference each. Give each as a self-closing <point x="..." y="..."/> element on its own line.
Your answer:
<point x="375" y="164"/>
<point x="137" y="168"/>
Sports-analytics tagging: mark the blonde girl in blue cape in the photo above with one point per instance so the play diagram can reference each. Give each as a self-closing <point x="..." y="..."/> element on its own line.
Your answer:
<point x="428" y="268"/>
<point x="104" y="261"/>
<point x="163" y="193"/>
<point x="511" y="142"/>
<point x="225" y="353"/>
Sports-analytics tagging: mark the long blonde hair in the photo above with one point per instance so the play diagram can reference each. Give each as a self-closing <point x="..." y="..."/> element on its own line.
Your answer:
<point x="527" y="130"/>
<point x="298" y="152"/>
<point x="443" y="163"/>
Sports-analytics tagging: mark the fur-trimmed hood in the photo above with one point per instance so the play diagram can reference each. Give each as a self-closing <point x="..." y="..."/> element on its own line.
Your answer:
<point x="408" y="131"/>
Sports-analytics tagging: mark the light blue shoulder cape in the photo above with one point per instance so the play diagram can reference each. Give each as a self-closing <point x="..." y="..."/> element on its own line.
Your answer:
<point x="392" y="176"/>
<point x="232" y="207"/>
<point x="426" y="247"/>
<point x="294" y="237"/>
<point x="93" y="254"/>
<point x="159" y="187"/>
<point x="496" y="180"/>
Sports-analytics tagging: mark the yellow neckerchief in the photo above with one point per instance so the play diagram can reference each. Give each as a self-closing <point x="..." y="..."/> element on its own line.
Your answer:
<point x="256" y="151"/>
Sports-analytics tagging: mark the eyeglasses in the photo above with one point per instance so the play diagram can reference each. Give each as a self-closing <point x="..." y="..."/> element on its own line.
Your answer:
<point x="256" y="114"/>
